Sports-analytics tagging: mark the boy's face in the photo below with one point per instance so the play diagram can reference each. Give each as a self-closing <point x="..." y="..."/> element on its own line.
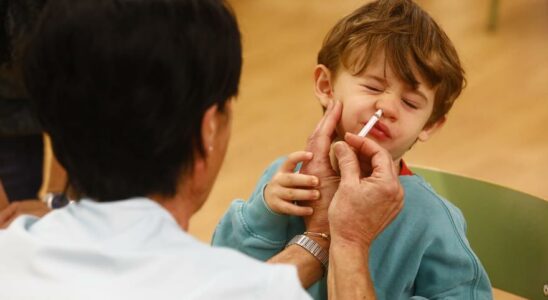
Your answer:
<point x="405" y="110"/>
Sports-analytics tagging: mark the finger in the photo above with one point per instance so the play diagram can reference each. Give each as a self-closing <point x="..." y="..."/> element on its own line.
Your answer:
<point x="31" y="204"/>
<point x="8" y="214"/>
<point x="37" y="211"/>
<point x="289" y="208"/>
<point x="293" y="159"/>
<point x="289" y="194"/>
<point x="364" y="146"/>
<point x="298" y="180"/>
<point x="348" y="162"/>
<point x="321" y="138"/>
<point x="332" y="117"/>
<point x="8" y="221"/>
<point x="324" y="117"/>
<point x="381" y="160"/>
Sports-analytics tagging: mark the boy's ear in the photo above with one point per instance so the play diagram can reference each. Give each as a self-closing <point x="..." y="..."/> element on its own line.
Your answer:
<point x="323" y="84"/>
<point x="428" y="131"/>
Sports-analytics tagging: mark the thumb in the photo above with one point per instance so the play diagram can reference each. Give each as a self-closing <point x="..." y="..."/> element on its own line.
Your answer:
<point x="7" y="213"/>
<point x="348" y="162"/>
<point x="364" y="146"/>
<point x="381" y="160"/>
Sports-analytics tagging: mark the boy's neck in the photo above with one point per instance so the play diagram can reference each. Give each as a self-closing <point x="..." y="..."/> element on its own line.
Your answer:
<point x="397" y="165"/>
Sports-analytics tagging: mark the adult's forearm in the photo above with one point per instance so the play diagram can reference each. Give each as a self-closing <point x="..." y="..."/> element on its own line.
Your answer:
<point x="349" y="276"/>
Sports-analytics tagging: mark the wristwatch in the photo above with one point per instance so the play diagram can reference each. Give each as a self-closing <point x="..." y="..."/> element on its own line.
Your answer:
<point x="55" y="200"/>
<point x="311" y="246"/>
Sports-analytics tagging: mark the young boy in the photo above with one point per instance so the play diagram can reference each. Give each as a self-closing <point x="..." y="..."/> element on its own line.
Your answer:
<point x="388" y="55"/>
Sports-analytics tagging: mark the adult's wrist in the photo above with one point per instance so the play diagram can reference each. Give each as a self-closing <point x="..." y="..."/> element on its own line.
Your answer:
<point x="347" y="257"/>
<point x="359" y="244"/>
<point x="313" y="248"/>
<point x="324" y="243"/>
<point x="315" y="223"/>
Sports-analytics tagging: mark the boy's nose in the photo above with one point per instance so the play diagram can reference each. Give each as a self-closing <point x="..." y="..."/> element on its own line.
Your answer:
<point x="389" y="106"/>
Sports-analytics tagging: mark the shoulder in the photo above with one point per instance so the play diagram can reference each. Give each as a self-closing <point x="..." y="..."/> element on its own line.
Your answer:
<point x="421" y="200"/>
<point x="237" y="276"/>
<point x="426" y="218"/>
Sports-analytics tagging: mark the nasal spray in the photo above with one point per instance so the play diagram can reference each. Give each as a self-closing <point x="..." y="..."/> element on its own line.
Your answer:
<point x="369" y="125"/>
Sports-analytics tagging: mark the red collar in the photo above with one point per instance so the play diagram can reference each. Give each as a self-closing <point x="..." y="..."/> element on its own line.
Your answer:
<point x="404" y="170"/>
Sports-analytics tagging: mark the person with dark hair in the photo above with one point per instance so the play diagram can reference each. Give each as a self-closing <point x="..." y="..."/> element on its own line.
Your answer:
<point x="137" y="98"/>
<point x="21" y="141"/>
<point x="22" y="157"/>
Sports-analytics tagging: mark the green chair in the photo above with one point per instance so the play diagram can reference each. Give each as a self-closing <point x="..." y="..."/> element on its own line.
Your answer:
<point x="507" y="229"/>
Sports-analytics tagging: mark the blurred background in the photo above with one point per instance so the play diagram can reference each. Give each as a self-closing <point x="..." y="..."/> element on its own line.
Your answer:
<point x="496" y="130"/>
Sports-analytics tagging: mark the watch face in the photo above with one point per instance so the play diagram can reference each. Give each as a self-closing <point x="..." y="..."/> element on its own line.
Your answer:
<point x="58" y="201"/>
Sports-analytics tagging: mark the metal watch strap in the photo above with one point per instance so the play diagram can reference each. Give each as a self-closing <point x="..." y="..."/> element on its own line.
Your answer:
<point x="311" y="246"/>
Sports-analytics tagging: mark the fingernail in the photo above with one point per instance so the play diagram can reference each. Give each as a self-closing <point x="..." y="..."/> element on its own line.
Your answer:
<point x="315" y="181"/>
<point x="316" y="195"/>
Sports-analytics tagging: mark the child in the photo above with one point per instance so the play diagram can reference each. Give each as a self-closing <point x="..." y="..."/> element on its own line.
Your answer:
<point x="388" y="55"/>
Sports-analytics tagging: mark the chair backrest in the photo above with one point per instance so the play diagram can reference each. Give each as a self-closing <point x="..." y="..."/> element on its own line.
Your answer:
<point x="507" y="229"/>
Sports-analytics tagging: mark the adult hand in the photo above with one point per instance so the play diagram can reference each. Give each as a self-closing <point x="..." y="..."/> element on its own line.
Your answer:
<point x="363" y="206"/>
<point x="319" y="143"/>
<point x="26" y="207"/>
<point x="309" y="268"/>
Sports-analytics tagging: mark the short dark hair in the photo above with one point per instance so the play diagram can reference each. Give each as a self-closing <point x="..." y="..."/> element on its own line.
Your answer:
<point x="17" y="20"/>
<point x="121" y="87"/>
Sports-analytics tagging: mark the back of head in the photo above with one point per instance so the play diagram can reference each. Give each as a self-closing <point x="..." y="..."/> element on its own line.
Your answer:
<point x="17" y="19"/>
<point x="410" y="39"/>
<point x="121" y="87"/>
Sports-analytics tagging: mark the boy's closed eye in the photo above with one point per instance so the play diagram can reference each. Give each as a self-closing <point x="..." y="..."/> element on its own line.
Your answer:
<point x="409" y="103"/>
<point x="374" y="89"/>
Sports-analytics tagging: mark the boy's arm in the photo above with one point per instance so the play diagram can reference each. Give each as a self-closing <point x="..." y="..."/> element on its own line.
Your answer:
<point x="251" y="227"/>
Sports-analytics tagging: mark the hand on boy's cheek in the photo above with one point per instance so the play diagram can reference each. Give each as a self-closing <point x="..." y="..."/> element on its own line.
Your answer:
<point x="329" y="183"/>
<point x="319" y="143"/>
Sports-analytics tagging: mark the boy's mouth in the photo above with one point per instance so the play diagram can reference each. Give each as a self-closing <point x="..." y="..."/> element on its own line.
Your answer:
<point x="380" y="131"/>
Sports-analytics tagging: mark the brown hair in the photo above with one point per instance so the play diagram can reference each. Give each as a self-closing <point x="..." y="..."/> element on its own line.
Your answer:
<point x="410" y="39"/>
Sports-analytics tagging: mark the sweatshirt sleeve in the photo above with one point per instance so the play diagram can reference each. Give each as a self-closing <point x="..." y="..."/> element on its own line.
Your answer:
<point x="250" y="226"/>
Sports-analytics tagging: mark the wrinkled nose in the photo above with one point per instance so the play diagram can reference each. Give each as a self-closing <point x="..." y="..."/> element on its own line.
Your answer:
<point x="389" y="105"/>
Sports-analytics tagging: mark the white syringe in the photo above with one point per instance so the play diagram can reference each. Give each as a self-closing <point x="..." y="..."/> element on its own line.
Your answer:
<point x="369" y="125"/>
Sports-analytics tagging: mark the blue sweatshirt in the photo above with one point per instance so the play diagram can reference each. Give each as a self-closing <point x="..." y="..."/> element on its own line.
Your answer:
<point x="422" y="254"/>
